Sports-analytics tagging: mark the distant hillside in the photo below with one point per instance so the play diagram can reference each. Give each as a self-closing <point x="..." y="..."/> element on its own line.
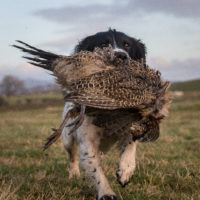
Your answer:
<point x="188" y="86"/>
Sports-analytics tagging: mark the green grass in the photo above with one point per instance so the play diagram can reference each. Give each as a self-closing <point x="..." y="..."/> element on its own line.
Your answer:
<point x="166" y="169"/>
<point x="187" y="86"/>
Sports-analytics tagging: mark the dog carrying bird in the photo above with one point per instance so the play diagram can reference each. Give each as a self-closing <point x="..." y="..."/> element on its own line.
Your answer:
<point x="118" y="98"/>
<point x="100" y="80"/>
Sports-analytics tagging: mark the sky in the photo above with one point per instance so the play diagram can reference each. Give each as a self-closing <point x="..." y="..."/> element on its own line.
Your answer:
<point x="170" y="29"/>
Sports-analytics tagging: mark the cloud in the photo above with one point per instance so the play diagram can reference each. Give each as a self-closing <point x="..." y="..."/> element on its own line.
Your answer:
<point x="101" y="13"/>
<point x="78" y="14"/>
<point x="62" y="46"/>
<point x="179" y="8"/>
<point x="177" y="70"/>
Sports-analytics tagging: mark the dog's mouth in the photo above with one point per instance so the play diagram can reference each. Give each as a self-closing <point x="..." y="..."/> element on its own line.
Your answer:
<point x="121" y="55"/>
<point x="118" y="61"/>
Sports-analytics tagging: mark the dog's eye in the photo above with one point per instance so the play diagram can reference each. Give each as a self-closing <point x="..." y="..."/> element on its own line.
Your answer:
<point x="126" y="45"/>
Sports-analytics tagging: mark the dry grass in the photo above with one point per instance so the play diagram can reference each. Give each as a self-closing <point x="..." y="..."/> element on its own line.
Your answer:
<point x="166" y="169"/>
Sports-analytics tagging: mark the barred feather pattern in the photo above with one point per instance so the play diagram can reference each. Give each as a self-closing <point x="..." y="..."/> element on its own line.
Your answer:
<point x="128" y="86"/>
<point x="130" y="96"/>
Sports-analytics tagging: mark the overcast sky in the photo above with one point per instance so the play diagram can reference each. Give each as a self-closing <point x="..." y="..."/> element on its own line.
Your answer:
<point x="170" y="29"/>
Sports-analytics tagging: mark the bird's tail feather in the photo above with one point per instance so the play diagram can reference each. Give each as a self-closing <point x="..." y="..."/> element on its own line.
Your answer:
<point x="40" y="58"/>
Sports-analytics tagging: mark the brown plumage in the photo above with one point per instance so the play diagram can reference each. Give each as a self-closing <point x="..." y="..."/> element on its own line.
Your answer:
<point x="123" y="97"/>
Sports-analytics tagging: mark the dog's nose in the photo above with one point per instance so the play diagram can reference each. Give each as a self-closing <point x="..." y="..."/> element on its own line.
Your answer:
<point x="121" y="55"/>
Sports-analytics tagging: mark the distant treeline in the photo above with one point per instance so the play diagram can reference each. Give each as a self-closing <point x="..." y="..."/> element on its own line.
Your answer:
<point x="11" y="86"/>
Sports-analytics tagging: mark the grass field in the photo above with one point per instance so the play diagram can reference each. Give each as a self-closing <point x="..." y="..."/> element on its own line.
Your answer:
<point x="186" y="86"/>
<point x="166" y="169"/>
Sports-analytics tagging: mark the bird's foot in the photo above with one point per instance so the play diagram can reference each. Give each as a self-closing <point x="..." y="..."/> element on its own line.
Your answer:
<point x="56" y="132"/>
<point x="78" y="121"/>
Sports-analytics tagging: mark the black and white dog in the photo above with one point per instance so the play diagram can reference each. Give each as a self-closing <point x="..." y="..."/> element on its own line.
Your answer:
<point x="89" y="137"/>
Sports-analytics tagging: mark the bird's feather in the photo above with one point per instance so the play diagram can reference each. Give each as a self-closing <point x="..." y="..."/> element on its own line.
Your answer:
<point x="125" y="97"/>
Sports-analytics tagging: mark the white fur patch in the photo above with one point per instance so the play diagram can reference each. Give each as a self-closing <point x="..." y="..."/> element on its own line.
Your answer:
<point x="67" y="108"/>
<point x="116" y="49"/>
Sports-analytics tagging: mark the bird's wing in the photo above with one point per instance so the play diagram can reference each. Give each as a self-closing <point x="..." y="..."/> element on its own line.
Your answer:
<point x="112" y="89"/>
<point x="152" y="131"/>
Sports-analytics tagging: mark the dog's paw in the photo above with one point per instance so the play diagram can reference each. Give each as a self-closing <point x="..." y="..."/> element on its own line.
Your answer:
<point x="74" y="173"/>
<point x="108" y="197"/>
<point x="124" y="176"/>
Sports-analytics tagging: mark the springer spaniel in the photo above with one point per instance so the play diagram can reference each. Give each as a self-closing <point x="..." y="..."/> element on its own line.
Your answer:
<point x="89" y="137"/>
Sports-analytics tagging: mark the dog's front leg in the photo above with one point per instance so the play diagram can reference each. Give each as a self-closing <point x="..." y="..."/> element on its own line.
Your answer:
<point x="127" y="163"/>
<point x="88" y="139"/>
<point x="70" y="145"/>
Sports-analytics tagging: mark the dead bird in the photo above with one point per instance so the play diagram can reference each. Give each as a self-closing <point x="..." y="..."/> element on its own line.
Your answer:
<point x="131" y="94"/>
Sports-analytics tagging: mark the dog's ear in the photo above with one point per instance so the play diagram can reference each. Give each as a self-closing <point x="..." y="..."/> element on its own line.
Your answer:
<point x="138" y="49"/>
<point x="142" y="48"/>
<point x="87" y="44"/>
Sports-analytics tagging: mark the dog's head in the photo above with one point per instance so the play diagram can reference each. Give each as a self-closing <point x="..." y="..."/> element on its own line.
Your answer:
<point x="124" y="46"/>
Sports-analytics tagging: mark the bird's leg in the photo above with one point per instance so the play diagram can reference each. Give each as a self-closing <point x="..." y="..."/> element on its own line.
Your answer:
<point x="78" y="121"/>
<point x="127" y="163"/>
<point x="79" y="117"/>
<point x="88" y="139"/>
<point x="57" y="132"/>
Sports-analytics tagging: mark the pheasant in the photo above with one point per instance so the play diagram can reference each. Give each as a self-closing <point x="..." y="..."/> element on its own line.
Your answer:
<point x="124" y="97"/>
